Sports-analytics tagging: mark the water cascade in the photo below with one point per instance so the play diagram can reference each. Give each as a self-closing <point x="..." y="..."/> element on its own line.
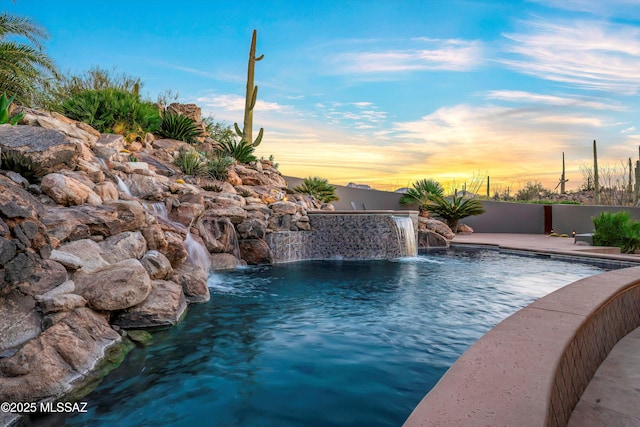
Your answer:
<point x="122" y="186"/>
<point x="406" y="235"/>
<point x="198" y="253"/>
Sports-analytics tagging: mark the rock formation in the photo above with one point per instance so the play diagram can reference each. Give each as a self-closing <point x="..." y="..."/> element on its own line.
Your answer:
<point x="92" y="244"/>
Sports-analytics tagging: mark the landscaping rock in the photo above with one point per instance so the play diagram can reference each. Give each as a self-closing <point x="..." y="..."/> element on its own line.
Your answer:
<point x="86" y="252"/>
<point x="431" y="239"/>
<point x="255" y="251"/>
<point x="224" y="261"/>
<point x="252" y="228"/>
<point x="129" y="244"/>
<point x="218" y="234"/>
<point x="193" y="280"/>
<point x="40" y="151"/>
<point x="47" y="365"/>
<point x="19" y="320"/>
<point x="157" y="265"/>
<point x="68" y="191"/>
<point x="65" y="302"/>
<point x="163" y="307"/>
<point x="114" y="287"/>
<point x="80" y="222"/>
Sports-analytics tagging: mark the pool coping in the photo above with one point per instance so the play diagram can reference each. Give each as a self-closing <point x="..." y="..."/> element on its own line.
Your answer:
<point x="532" y="368"/>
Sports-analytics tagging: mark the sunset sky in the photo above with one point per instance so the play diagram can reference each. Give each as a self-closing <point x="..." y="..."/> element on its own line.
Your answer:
<point x="384" y="92"/>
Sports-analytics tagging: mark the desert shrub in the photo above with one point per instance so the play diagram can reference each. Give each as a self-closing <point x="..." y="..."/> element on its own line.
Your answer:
<point x="190" y="162"/>
<point x="532" y="191"/>
<point x="113" y="111"/>
<point x="241" y="151"/>
<point x="218" y="167"/>
<point x="617" y="229"/>
<point x="454" y="208"/>
<point x="178" y="126"/>
<point x="318" y="188"/>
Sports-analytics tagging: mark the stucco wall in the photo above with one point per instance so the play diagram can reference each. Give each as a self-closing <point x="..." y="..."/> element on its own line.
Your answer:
<point x="567" y="218"/>
<point x="500" y="217"/>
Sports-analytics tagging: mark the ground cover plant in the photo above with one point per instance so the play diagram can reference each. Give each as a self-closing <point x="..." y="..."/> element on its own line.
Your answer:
<point x="617" y="229"/>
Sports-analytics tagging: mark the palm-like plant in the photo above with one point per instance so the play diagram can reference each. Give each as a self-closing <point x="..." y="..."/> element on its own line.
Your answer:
<point x="178" y="126"/>
<point x="24" y="67"/>
<point x="318" y="188"/>
<point x="422" y="192"/>
<point x="453" y="209"/>
<point x="241" y="151"/>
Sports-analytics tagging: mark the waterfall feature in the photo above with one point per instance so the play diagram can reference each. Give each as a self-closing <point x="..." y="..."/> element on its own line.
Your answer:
<point x="406" y="235"/>
<point x="122" y="186"/>
<point x="198" y="253"/>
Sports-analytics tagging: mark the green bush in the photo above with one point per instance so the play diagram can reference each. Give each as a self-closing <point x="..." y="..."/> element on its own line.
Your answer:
<point x="218" y="167"/>
<point x="421" y="193"/>
<point x="453" y="209"/>
<point x="178" y="126"/>
<point x="241" y="151"/>
<point x="113" y="111"/>
<point x="5" y="103"/>
<point x="318" y="188"/>
<point x="617" y="229"/>
<point x="190" y="162"/>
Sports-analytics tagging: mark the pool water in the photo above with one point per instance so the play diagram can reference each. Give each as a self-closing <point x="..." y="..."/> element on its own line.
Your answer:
<point x="320" y="343"/>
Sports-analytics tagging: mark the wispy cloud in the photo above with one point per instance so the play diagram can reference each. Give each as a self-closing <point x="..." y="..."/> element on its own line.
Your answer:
<point x="232" y="103"/>
<point x="600" y="8"/>
<point x="588" y="54"/>
<point x="517" y="96"/>
<point x="450" y="54"/>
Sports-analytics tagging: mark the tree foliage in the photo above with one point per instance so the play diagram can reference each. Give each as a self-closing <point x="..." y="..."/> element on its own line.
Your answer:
<point x="454" y="208"/>
<point x="24" y="67"/>
<point x="318" y="188"/>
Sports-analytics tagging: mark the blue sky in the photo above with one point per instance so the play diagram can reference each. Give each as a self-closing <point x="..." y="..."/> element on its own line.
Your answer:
<point x="385" y="92"/>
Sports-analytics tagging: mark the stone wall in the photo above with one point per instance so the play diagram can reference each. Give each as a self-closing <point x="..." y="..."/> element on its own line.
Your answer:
<point x="342" y="235"/>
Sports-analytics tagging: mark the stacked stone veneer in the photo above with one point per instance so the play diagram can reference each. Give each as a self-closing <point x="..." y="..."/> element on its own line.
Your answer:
<point x="342" y="235"/>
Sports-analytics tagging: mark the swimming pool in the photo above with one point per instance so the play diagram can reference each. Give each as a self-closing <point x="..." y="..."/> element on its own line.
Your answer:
<point x="319" y="343"/>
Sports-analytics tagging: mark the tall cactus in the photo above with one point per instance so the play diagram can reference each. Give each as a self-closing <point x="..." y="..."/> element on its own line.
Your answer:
<point x="246" y="133"/>
<point x="563" y="179"/>
<point x="596" y="181"/>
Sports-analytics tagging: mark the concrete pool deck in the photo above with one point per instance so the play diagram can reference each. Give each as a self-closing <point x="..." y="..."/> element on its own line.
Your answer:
<point x="570" y="358"/>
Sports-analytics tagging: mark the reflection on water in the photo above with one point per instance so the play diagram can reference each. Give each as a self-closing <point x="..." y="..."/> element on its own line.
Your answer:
<point x="340" y="343"/>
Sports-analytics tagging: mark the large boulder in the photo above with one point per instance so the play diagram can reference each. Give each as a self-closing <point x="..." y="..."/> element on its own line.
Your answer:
<point x="193" y="280"/>
<point x="19" y="320"/>
<point x="75" y="131"/>
<point x="163" y="307"/>
<point x="255" y="251"/>
<point x="176" y="252"/>
<point x="436" y="226"/>
<point x="129" y="244"/>
<point x="80" y="222"/>
<point x="80" y="254"/>
<point x="252" y="228"/>
<point x="157" y="265"/>
<point x="190" y="110"/>
<point x="68" y="191"/>
<point x="431" y="239"/>
<point x="223" y="261"/>
<point x="46" y="275"/>
<point x="20" y="223"/>
<point x="114" y="287"/>
<point x="153" y="187"/>
<point x="46" y="366"/>
<point x="218" y="234"/>
<point x="37" y="151"/>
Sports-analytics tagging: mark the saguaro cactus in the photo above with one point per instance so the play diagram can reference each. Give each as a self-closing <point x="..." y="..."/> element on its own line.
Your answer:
<point x="596" y="182"/>
<point x="563" y="179"/>
<point x="246" y="133"/>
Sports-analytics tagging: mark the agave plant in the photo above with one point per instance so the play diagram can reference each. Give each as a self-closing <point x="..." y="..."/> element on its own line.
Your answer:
<point x="453" y="209"/>
<point x="190" y="162"/>
<point x="422" y="192"/>
<point x="5" y="103"/>
<point x="318" y="188"/>
<point x="178" y="126"/>
<point x="218" y="167"/>
<point x="241" y="151"/>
